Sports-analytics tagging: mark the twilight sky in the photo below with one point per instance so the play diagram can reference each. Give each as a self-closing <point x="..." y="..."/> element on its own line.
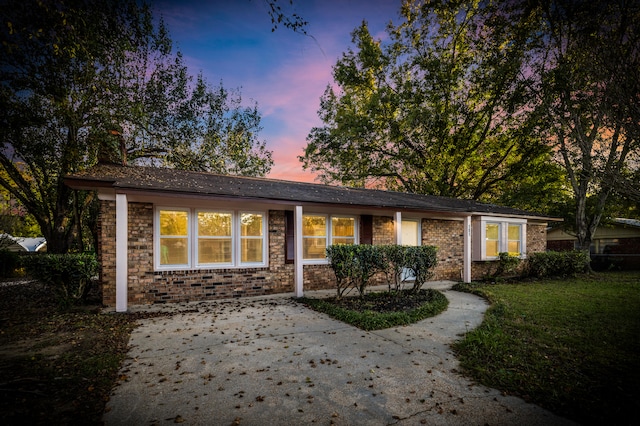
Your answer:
<point x="284" y="72"/>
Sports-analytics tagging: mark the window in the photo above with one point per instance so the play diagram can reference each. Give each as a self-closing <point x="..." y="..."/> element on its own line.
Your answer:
<point x="314" y="237"/>
<point x="251" y="238"/>
<point x="174" y="237"/>
<point x="343" y="230"/>
<point x="190" y="238"/>
<point x="492" y="236"/>
<point x="514" y="238"/>
<point x="320" y="231"/>
<point x="492" y="239"/>
<point x="214" y="238"/>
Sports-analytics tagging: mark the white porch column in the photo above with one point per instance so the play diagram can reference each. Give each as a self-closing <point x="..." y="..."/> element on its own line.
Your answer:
<point x="299" y="275"/>
<point x="398" y="227"/>
<point x="466" y="263"/>
<point x="122" y="272"/>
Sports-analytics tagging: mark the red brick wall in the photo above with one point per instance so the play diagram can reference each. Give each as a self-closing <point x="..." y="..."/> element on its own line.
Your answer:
<point x="536" y="238"/>
<point x="448" y="237"/>
<point x="383" y="230"/>
<point x="106" y="251"/>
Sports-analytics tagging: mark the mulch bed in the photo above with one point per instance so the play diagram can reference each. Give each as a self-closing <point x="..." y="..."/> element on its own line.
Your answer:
<point x="383" y="302"/>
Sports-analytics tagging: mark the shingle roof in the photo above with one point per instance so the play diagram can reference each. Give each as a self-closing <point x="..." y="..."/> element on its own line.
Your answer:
<point x="201" y="183"/>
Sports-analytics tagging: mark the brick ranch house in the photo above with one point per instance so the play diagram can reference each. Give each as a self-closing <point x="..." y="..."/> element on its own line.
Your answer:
<point x="169" y="235"/>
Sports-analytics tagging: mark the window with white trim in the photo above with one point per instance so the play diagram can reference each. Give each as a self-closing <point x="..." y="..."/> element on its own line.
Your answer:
<point x="199" y="238"/>
<point x="514" y="239"/>
<point x="492" y="236"/>
<point x="251" y="238"/>
<point x="215" y="239"/>
<point x="492" y="239"/>
<point x="174" y="237"/>
<point x="320" y="231"/>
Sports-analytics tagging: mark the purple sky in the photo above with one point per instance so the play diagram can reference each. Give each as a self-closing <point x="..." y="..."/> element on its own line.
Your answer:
<point x="286" y="73"/>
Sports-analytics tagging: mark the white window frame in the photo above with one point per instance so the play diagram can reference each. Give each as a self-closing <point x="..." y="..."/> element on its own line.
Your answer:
<point x="238" y="246"/>
<point x="196" y="237"/>
<point x="192" y="238"/>
<point x="157" y="248"/>
<point x="480" y="236"/>
<point x="329" y="234"/>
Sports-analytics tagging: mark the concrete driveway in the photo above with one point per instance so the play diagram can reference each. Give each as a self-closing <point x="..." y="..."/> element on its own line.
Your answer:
<point x="261" y="361"/>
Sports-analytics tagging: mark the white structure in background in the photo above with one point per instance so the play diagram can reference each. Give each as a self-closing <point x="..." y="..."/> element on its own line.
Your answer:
<point x="11" y="243"/>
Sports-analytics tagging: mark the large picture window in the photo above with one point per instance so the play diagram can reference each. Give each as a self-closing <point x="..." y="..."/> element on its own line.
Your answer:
<point x="193" y="238"/>
<point x="320" y="231"/>
<point x="493" y="236"/>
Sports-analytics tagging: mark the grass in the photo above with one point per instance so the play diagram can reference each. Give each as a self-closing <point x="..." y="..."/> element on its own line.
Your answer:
<point x="375" y="311"/>
<point x="571" y="345"/>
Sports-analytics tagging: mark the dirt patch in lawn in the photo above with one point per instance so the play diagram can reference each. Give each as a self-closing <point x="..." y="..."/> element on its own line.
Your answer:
<point x="57" y="367"/>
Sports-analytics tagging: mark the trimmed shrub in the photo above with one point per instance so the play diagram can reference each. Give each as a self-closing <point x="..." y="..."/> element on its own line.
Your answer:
<point x="355" y="265"/>
<point x="68" y="275"/>
<point x="506" y="265"/>
<point x="396" y="259"/>
<point x="368" y="261"/>
<point x="341" y="260"/>
<point x="558" y="263"/>
<point x="420" y="260"/>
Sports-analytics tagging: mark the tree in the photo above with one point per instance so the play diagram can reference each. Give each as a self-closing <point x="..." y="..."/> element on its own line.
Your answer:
<point x="586" y="74"/>
<point x="289" y="19"/>
<point x="82" y="80"/>
<point x="14" y="219"/>
<point x="436" y="110"/>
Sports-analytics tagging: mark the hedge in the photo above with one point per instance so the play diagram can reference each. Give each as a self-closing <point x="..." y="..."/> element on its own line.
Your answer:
<point x="68" y="275"/>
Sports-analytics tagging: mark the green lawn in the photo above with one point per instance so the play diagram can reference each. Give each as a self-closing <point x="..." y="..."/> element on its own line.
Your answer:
<point x="571" y="345"/>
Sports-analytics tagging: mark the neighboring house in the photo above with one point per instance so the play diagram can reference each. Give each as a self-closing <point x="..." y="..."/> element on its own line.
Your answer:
<point x="169" y="235"/>
<point x="614" y="244"/>
<point x="18" y="244"/>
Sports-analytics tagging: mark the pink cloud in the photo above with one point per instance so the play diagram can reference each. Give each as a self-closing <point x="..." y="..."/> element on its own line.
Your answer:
<point x="285" y="72"/>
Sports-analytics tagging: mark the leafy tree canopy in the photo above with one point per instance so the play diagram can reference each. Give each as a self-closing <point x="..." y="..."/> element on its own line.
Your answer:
<point x="585" y="74"/>
<point x="434" y="109"/>
<point x="89" y="80"/>
<point x="530" y="104"/>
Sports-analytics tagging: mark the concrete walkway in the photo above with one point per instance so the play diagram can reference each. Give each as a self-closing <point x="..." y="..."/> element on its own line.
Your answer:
<point x="272" y="361"/>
